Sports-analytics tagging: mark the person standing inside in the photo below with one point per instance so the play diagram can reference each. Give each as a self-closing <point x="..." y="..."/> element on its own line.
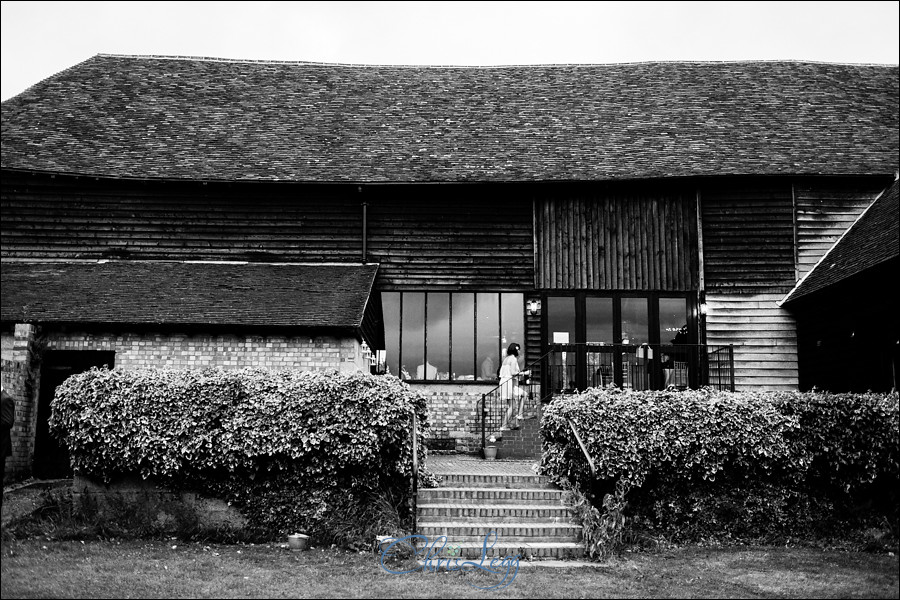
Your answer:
<point x="509" y="386"/>
<point x="7" y="418"/>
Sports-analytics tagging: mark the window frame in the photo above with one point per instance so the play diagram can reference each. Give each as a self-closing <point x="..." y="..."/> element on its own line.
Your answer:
<point x="450" y="358"/>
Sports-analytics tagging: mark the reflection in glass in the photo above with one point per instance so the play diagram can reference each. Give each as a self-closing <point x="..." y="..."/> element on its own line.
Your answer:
<point x="673" y="319"/>
<point x="413" y="334"/>
<point x="599" y="320"/>
<point x="487" y="330"/>
<point x="561" y="330"/>
<point x="561" y="319"/>
<point x="512" y="322"/>
<point x="635" y="323"/>
<point x="463" y="336"/>
<point x="438" y="332"/>
<point x="390" y="303"/>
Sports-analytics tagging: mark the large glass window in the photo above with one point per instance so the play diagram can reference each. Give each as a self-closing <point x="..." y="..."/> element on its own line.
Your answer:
<point x="561" y="320"/>
<point x="438" y="347"/>
<point x="390" y="304"/>
<point x="511" y="325"/>
<point x="635" y="321"/>
<point x="673" y="321"/>
<point x="441" y="336"/>
<point x="598" y="320"/>
<point x="463" y="338"/>
<point x="412" y="334"/>
<point x="487" y="332"/>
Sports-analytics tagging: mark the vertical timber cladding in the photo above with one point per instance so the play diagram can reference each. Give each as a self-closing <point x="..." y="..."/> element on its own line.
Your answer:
<point x="617" y="238"/>
<point x="748" y="250"/>
<point x="83" y="218"/>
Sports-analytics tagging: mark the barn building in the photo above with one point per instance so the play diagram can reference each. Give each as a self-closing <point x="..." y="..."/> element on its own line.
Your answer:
<point x="647" y="225"/>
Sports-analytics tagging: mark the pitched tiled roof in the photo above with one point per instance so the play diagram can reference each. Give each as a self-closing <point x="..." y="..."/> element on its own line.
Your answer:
<point x="872" y="240"/>
<point x="183" y="118"/>
<point x="187" y="293"/>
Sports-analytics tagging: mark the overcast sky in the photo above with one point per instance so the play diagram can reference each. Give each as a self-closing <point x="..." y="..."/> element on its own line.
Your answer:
<point x="43" y="38"/>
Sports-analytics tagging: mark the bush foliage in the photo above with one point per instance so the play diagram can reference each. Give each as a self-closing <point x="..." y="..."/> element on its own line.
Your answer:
<point x="293" y="450"/>
<point x="707" y="464"/>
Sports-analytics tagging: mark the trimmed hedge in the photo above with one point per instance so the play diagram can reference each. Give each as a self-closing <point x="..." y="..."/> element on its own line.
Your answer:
<point x="293" y="450"/>
<point x="744" y="465"/>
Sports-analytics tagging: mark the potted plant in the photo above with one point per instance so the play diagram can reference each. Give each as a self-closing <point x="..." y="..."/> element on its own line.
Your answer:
<point x="490" y="451"/>
<point x="298" y="541"/>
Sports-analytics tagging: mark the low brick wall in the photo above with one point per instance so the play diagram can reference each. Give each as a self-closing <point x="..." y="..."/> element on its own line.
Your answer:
<point x="180" y="351"/>
<point x="168" y="508"/>
<point x="451" y="413"/>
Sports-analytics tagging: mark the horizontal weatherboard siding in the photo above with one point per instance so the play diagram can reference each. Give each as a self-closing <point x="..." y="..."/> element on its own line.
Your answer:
<point x="748" y="238"/>
<point x="69" y="218"/>
<point x="454" y="237"/>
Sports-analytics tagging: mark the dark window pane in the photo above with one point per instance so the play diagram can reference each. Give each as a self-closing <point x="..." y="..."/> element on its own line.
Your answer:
<point x="561" y="320"/>
<point x="438" y="337"/>
<point x="599" y="320"/>
<point x="561" y="330"/>
<point x="463" y="336"/>
<point x="390" y="302"/>
<point x="512" y="323"/>
<point x="635" y="324"/>
<point x="487" y="307"/>
<point x="673" y="321"/>
<point x="412" y="352"/>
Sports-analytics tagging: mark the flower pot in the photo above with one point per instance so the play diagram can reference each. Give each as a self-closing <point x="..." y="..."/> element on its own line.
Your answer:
<point x="298" y="541"/>
<point x="490" y="452"/>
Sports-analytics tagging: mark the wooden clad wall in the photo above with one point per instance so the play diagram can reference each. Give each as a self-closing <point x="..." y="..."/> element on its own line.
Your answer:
<point x="80" y="218"/>
<point x="626" y="238"/>
<point x="825" y="210"/>
<point x="453" y="237"/>
<point x="748" y="252"/>
<point x="764" y="338"/>
<point x="748" y="237"/>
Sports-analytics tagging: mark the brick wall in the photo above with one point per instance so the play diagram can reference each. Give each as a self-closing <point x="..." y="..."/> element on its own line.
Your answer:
<point x="18" y="346"/>
<point x="451" y="413"/>
<point x="172" y="350"/>
<point x="18" y="466"/>
<point x="179" y="351"/>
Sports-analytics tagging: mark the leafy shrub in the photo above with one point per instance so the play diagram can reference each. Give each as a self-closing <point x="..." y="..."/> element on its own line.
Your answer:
<point x="731" y="465"/>
<point x="286" y="447"/>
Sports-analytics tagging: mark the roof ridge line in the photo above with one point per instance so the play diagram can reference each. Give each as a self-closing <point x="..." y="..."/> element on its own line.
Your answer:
<point x="497" y="66"/>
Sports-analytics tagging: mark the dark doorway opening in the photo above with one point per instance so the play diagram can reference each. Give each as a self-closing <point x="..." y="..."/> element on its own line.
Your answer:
<point x="51" y="459"/>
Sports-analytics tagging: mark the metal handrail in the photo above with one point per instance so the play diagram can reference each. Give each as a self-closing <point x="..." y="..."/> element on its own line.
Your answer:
<point x="583" y="448"/>
<point x="483" y="412"/>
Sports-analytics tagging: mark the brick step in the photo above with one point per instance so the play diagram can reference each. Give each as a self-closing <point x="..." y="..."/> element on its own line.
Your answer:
<point x="508" y="533"/>
<point x="548" y="550"/>
<point x="497" y="481"/>
<point x="484" y="495"/>
<point x="463" y="513"/>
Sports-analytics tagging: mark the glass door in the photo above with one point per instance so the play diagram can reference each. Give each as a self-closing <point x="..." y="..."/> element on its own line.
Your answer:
<point x="637" y="342"/>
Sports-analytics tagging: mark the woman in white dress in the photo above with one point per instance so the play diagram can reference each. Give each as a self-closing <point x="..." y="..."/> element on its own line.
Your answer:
<point x="509" y="386"/>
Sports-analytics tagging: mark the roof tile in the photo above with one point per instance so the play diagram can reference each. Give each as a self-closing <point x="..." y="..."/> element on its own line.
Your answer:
<point x="183" y="118"/>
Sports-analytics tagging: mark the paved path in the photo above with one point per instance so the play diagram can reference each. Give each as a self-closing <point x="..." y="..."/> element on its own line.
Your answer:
<point x="467" y="464"/>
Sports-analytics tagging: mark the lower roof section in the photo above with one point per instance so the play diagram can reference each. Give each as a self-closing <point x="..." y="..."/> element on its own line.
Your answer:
<point x="187" y="294"/>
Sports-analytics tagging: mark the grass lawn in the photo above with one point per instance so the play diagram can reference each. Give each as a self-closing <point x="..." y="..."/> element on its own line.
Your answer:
<point x="37" y="568"/>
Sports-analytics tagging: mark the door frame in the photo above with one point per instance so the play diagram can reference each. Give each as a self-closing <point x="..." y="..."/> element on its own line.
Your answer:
<point x="579" y="345"/>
